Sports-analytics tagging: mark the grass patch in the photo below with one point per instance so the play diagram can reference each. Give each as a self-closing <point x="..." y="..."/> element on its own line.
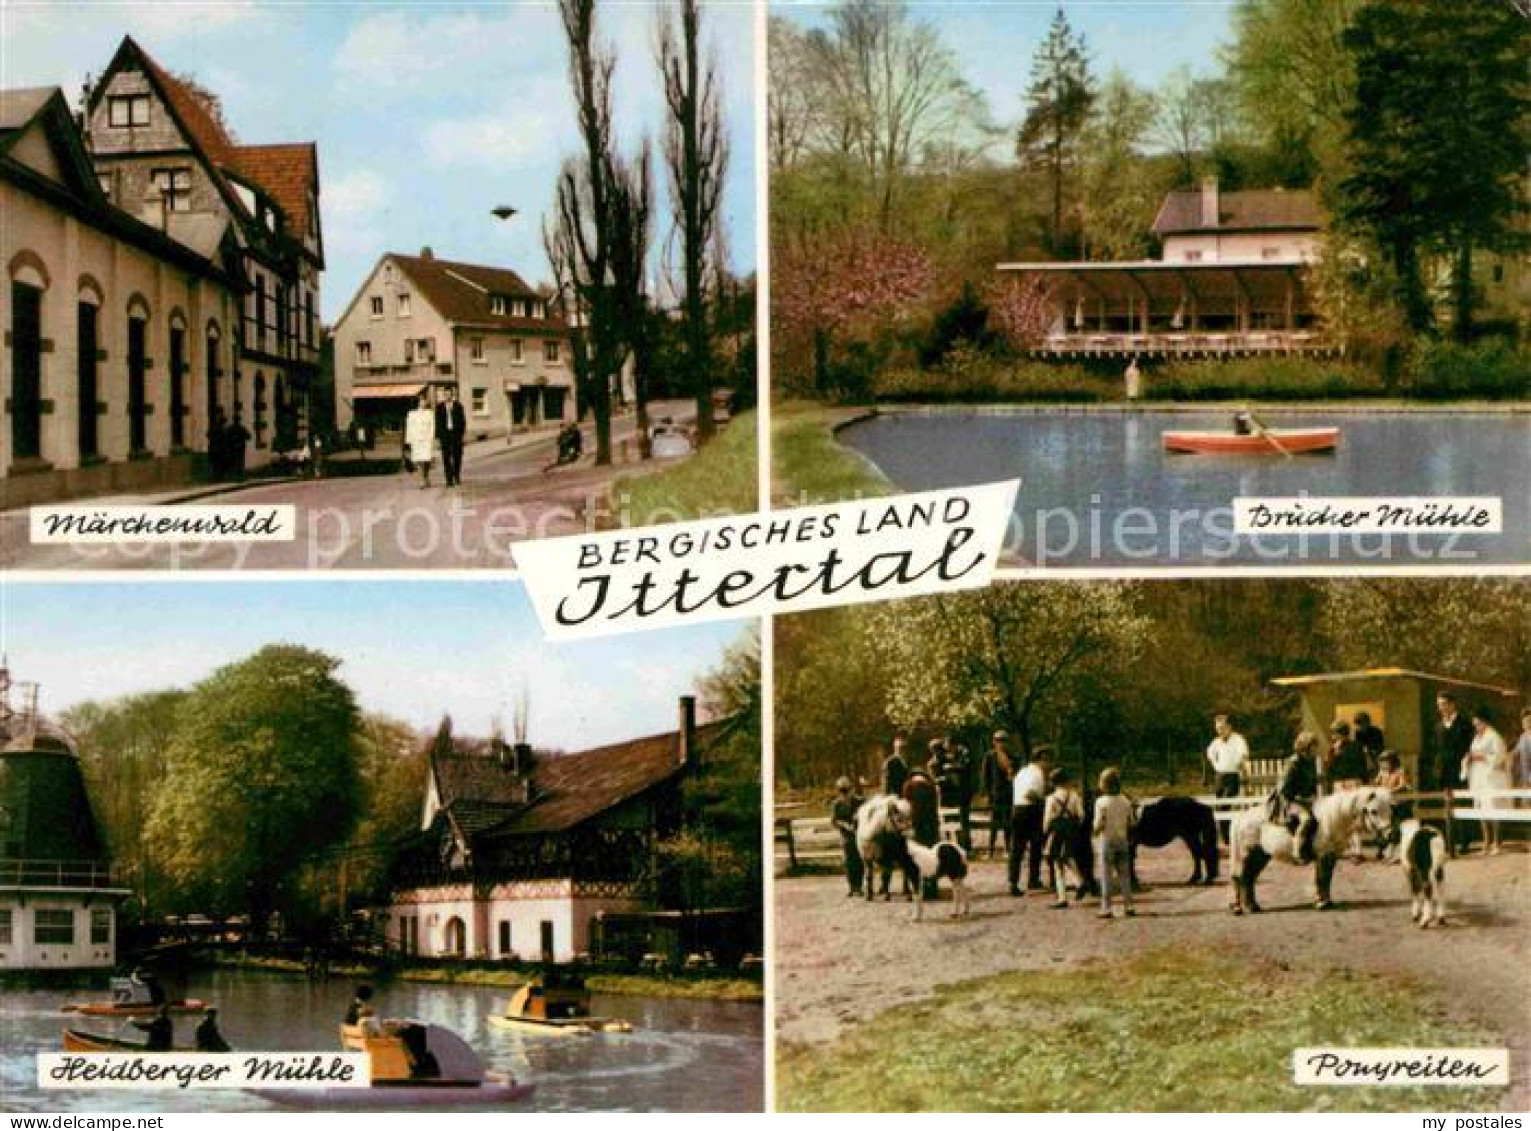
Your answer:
<point x="1168" y="1030"/>
<point x="721" y="479"/>
<point x="809" y="465"/>
<point x="628" y="985"/>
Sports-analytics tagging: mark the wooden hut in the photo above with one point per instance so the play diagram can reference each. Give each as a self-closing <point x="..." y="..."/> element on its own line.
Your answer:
<point x="1402" y="703"/>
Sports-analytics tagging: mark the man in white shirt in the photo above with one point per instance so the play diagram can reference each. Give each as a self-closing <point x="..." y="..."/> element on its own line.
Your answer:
<point x="1227" y="753"/>
<point x="1029" y="792"/>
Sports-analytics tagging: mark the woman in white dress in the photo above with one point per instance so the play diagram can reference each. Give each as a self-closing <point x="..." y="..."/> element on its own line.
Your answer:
<point x="420" y="437"/>
<point x="1486" y="768"/>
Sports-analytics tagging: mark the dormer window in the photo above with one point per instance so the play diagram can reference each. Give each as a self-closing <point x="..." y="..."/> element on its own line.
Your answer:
<point x="518" y="308"/>
<point x="539" y="309"/>
<point x="497" y="305"/>
<point x="127" y="111"/>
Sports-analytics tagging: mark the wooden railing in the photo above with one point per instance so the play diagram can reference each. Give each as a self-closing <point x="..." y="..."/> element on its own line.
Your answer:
<point x="1183" y="342"/>
<point x="804" y="839"/>
<point x="84" y="874"/>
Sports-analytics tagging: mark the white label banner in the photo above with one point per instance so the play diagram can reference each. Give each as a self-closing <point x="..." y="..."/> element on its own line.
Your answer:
<point x="184" y="1070"/>
<point x="1368" y="515"/>
<point x="87" y="525"/>
<point x="757" y="564"/>
<point x="1458" y="1068"/>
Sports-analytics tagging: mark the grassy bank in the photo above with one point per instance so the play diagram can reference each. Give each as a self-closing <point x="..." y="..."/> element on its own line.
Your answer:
<point x="809" y="465"/>
<point x="712" y="988"/>
<point x="1168" y="1030"/>
<point x="723" y="478"/>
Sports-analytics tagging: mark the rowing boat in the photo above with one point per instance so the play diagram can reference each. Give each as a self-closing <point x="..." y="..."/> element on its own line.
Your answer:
<point x="132" y="1009"/>
<point x="1272" y="441"/>
<point x="78" y="1040"/>
<point x="557" y="1004"/>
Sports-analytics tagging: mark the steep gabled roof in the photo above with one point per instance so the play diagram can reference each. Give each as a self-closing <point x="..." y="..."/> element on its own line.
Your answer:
<point x="46" y="107"/>
<point x="460" y="292"/>
<point x="1249" y="210"/>
<point x="484" y="798"/>
<point x="192" y="116"/>
<point x="289" y="173"/>
<point x="18" y="107"/>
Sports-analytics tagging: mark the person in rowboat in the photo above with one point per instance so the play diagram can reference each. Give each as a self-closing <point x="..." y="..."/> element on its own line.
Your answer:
<point x="1243" y="424"/>
<point x="209" y="1039"/>
<point x="159" y="1030"/>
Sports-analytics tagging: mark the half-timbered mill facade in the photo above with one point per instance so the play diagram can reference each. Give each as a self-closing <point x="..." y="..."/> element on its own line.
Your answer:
<point x="1233" y="279"/>
<point x="164" y="156"/>
<point x="113" y="325"/>
<point x="520" y="853"/>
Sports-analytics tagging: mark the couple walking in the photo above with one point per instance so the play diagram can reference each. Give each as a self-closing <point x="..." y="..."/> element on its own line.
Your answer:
<point x="425" y="428"/>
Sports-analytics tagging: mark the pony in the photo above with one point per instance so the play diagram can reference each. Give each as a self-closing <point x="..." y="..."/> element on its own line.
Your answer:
<point x="1423" y="852"/>
<point x="944" y="861"/>
<point x="881" y="823"/>
<point x="1161" y="821"/>
<point x="1254" y="841"/>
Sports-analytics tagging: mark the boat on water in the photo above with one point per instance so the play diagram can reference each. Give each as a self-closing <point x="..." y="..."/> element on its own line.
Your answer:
<point x="413" y="1064"/>
<point x="1268" y="441"/>
<point x="132" y="1009"/>
<point x="79" y="1040"/>
<point x="558" y="1004"/>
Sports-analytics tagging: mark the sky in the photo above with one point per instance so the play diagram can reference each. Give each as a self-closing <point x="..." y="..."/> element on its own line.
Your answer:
<point x="409" y="649"/>
<point x="994" y="40"/>
<point x="427" y="115"/>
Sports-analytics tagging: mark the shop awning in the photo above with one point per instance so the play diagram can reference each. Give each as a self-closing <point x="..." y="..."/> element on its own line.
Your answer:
<point x="387" y="392"/>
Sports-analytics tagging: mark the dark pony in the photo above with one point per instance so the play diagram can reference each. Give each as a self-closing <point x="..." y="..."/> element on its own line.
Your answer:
<point x="1185" y="818"/>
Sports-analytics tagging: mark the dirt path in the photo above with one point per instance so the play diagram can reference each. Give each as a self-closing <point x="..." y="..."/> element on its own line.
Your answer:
<point x="840" y="961"/>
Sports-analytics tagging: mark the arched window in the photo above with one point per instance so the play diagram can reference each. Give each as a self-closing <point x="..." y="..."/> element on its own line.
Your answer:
<point x="178" y="367"/>
<point x="214" y="371"/>
<point x="88" y="355"/>
<point x="29" y="280"/>
<point x="455" y="937"/>
<point x="138" y="374"/>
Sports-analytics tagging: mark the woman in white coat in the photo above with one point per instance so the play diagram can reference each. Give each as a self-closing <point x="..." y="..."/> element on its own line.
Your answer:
<point x="1485" y="769"/>
<point x="420" y="437"/>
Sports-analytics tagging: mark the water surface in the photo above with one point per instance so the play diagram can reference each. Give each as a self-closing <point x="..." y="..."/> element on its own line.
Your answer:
<point x="1098" y="488"/>
<point x="683" y="1056"/>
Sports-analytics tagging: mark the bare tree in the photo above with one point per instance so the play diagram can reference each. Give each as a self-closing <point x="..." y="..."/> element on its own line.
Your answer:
<point x="696" y="155"/>
<point x="890" y="88"/>
<point x="632" y="210"/>
<point x="578" y="236"/>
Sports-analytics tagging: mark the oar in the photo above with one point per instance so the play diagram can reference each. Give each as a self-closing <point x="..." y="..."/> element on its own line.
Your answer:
<point x="1266" y="433"/>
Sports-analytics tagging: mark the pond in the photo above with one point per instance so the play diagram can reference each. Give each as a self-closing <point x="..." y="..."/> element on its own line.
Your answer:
<point x="682" y="1055"/>
<point x="1099" y="490"/>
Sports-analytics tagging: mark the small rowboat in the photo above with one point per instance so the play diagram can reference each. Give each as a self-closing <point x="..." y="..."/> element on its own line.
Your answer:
<point x="132" y="1009"/>
<point x="396" y="1096"/>
<point x="557" y="1004"/>
<point x="1272" y="441"/>
<point x="78" y="1040"/>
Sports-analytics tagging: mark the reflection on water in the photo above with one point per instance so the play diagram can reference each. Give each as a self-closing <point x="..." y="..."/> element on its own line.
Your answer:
<point x="683" y="1055"/>
<point x="1098" y="488"/>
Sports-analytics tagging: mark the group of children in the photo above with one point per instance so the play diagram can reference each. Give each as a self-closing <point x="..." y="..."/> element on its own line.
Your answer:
<point x="1110" y="831"/>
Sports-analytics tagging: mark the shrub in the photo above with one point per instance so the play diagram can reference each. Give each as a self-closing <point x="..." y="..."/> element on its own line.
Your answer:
<point x="1287" y="378"/>
<point x="965" y="322"/>
<point x="1443" y="369"/>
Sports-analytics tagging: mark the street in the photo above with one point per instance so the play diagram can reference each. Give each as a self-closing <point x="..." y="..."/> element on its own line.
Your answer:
<point x="387" y="521"/>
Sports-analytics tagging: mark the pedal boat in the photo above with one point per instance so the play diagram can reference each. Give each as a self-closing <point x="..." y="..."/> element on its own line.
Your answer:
<point x="462" y="1082"/>
<point x="557" y="1005"/>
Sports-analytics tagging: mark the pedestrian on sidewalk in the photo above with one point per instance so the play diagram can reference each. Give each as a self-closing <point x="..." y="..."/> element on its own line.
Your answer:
<point x="420" y="438"/>
<point x="451" y="428"/>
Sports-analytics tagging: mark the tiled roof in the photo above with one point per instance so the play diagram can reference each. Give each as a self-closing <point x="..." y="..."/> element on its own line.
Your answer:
<point x="567" y="789"/>
<point x="202" y="126"/>
<point x="460" y="292"/>
<point x="290" y="173"/>
<point x="1248" y="210"/>
<point x="19" y="106"/>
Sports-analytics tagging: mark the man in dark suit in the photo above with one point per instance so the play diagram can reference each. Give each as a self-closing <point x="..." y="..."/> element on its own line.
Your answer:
<point x="1453" y="736"/>
<point x="451" y="427"/>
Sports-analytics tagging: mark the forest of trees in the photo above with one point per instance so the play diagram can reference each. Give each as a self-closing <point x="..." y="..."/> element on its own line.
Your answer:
<point x="894" y="191"/>
<point x="1122" y="672"/>
<point x="250" y="792"/>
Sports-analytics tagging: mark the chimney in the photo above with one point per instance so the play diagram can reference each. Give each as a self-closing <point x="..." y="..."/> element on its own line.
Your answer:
<point x="686" y="739"/>
<point x="427" y="253"/>
<point x="1209" y="202"/>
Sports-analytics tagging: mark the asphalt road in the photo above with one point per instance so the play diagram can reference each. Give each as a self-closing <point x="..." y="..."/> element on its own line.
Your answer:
<point x="385" y="521"/>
